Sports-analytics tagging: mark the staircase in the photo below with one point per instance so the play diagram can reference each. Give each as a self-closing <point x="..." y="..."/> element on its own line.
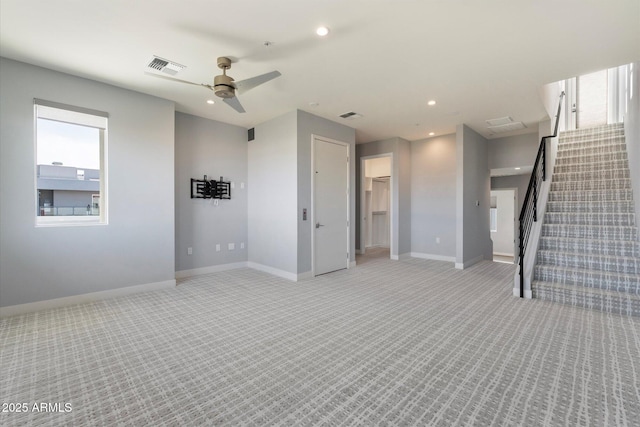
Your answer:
<point x="589" y="253"/>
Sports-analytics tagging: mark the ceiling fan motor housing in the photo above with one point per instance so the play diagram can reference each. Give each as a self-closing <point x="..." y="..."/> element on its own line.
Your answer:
<point x="223" y="86"/>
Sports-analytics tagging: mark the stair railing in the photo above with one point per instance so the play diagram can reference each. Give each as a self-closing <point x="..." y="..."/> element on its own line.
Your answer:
<point x="529" y="213"/>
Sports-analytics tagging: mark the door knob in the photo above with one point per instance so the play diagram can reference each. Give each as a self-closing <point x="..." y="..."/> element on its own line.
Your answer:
<point x="318" y="225"/>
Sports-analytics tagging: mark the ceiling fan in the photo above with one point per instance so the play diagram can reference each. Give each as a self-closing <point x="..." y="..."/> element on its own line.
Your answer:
<point x="225" y="86"/>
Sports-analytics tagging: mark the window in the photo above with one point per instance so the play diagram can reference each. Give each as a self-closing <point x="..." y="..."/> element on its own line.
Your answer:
<point x="71" y="173"/>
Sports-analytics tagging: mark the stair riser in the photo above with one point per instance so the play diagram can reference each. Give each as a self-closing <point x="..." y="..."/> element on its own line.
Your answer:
<point x="595" y="175"/>
<point x="602" y="139"/>
<point x="591" y="207"/>
<point x="600" y="233"/>
<point x="609" y="157"/>
<point x="592" y="167"/>
<point x="591" y="247"/>
<point x="591" y="196"/>
<point x="589" y="279"/>
<point x="582" y="149"/>
<point x="610" y="184"/>
<point x="617" y="219"/>
<point x="624" y="304"/>
<point x="592" y="262"/>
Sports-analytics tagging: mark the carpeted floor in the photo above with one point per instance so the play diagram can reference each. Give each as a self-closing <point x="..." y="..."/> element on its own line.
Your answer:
<point x="393" y="343"/>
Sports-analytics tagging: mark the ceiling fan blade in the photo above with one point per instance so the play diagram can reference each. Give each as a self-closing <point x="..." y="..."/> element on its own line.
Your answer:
<point x="234" y="103"/>
<point x="173" y="79"/>
<point x="244" y="85"/>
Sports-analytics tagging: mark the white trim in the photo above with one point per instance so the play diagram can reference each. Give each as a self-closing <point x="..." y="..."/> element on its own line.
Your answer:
<point x="394" y="257"/>
<point x="392" y="195"/>
<point x="183" y="274"/>
<point x="346" y="145"/>
<point x="305" y="275"/>
<point x="469" y="263"/>
<point x="433" y="257"/>
<point x="275" y="271"/>
<point x="352" y="264"/>
<point x="30" y="307"/>
<point x="504" y="254"/>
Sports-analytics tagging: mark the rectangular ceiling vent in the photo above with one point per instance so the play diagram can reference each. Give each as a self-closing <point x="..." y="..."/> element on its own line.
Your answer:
<point x="508" y="127"/>
<point x="165" y="66"/>
<point x="351" y="115"/>
<point x="504" y="124"/>
<point x="500" y="121"/>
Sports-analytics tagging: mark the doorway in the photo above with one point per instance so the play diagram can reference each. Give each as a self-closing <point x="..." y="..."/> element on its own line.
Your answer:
<point x="376" y="211"/>
<point x="330" y="205"/>
<point x="503" y="225"/>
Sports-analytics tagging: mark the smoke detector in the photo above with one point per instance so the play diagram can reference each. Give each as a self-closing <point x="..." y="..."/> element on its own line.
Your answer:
<point x="165" y="66"/>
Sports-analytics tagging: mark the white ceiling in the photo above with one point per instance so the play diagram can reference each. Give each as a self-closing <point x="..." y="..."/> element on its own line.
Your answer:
<point x="383" y="59"/>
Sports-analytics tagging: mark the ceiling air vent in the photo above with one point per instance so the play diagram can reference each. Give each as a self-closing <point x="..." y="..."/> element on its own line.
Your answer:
<point x="504" y="124"/>
<point x="351" y="115"/>
<point x="165" y="66"/>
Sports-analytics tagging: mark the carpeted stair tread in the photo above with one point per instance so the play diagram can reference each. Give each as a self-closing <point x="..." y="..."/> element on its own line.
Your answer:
<point x="592" y="158"/>
<point x="581" y="277"/>
<point x="626" y="265"/>
<point x="602" y="184"/>
<point x="602" y="232"/>
<point x="607" y="301"/>
<point x="625" y="194"/>
<point x="593" y="166"/>
<point x="583" y="149"/>
<point x="606" y="206"/>
<point x="589" y="175"/>
<point x="590" y="218"/>
<point x="615" y="247"/>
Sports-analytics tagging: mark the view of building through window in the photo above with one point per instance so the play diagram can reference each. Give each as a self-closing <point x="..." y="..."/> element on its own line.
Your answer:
<point x="69" y="163"/>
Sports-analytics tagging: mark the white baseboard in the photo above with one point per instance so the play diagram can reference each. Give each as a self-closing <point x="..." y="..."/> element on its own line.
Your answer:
<point x="305" y="275"/>
<point x="274" y="271"/>
<point x="433" y="257"/>
<point x="469" y="263"/>
<point x="352" y="264"/>
<point x="503" y="254"/>
<point x="183" y="274"/>
<point x="395" y="257"/>
<point x="30" y="307"/>
<point x="527" y="293"/>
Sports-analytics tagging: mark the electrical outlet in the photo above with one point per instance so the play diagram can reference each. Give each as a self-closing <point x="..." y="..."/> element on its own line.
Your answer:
<point x="218" y="248"/>
<point x="189" y="251"/>
<point x="232" y="246"/>
<point x="242" y="245"/>
<point x="233" y="184"/>
<point x="437" y="240"/>
<point x="216" y="202"/>
<point x="242" y="185"/>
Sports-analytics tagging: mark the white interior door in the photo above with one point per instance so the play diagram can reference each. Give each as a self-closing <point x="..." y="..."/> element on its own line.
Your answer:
<point x="330" y="206"/>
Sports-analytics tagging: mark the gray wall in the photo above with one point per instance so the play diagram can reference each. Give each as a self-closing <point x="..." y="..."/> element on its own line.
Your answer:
<point x="308" y="125"/>
<point x="401" y="206"/>
<point x="137" y="246"/>
<point x="512" y="151"/>
<point x="207" y="147"/>
<point x="272" y="194"/>
<point x="472" y="185"/>
<point x="632" y="134"/>
<point x="433" y="196"/>
<point x="521" y="182"/>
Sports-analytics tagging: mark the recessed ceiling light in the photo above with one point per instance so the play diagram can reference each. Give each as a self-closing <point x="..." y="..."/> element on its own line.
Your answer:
<point x="210" y="101"/>
<point x="432" y="102"/>
<point x="431" y="133"/>
<point x="313" y="104"/>
<point x="322" y="31"/>
<point x="517" y="169"/>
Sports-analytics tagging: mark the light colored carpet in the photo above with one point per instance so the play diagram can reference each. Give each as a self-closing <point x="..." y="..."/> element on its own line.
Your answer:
<point x="394" y="343"/>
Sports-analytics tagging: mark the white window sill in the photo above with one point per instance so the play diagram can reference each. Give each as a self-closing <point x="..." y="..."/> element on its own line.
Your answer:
<point x="68" y="221"/>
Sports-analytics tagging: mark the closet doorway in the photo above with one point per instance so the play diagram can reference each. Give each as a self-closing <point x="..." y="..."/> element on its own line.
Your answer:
<point x="376" y="217"/>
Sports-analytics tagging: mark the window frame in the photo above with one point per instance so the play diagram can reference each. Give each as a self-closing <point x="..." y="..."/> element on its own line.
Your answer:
<point x="78" y="116"/>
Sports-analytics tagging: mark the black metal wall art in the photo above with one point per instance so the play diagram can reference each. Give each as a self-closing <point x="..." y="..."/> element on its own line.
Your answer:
<point x="210" y="189"/>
